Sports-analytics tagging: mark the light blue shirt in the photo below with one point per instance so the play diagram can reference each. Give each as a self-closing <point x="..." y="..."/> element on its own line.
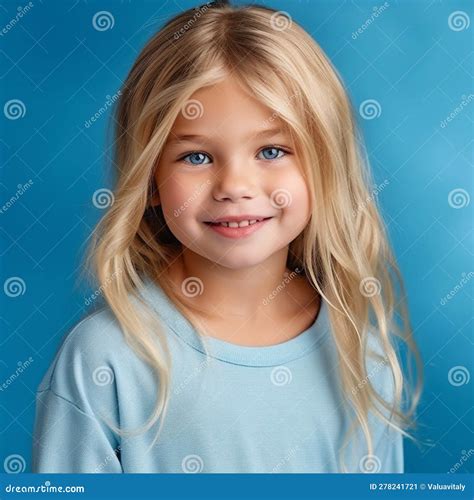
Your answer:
<point x="275" y="408"/>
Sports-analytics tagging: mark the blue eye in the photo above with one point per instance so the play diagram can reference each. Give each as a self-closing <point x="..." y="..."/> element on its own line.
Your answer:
<point x="274" y="150"/>
<point x="196" y="155"/>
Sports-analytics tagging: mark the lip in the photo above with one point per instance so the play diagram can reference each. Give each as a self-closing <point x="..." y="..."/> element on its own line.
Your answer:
<point x="238" y="218"/>
<point x="238" y="232"/>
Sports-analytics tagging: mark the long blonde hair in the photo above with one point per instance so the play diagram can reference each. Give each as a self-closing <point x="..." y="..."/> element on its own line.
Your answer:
<point x="343" y="251"/>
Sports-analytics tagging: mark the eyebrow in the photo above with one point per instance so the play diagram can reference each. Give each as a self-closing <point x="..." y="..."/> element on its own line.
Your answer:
<point x="256" y="135"/>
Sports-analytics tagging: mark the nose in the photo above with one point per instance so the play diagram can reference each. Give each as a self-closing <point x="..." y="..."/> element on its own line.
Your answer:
<point x="234" y="181"/>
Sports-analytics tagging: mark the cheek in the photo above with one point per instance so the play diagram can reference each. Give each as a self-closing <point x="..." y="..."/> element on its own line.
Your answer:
<point x="173" y="194"/>
<point x="179" y="201"/>
<point x="291" y="195"/>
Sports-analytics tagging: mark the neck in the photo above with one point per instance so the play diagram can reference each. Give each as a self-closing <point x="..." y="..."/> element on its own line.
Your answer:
<point x="237" y="292"/>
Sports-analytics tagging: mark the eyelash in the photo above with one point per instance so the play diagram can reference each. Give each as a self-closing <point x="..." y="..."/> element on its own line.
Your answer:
<point x="271" y="146"/>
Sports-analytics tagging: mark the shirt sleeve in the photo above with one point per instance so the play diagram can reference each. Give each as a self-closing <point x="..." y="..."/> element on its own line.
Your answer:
<point x="68" y="440"/>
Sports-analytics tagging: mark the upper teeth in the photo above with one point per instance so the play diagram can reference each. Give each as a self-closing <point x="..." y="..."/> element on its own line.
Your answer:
<point x="238" y="224"/>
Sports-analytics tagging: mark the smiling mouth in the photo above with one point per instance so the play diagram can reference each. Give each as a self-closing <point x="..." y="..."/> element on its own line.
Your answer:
<point x="234" y="224"/>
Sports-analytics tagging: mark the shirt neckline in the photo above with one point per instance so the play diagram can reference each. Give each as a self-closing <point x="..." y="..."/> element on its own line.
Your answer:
<point x="271" y="355"/>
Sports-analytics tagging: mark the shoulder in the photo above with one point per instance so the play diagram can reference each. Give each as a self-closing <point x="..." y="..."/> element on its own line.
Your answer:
<point x="88" y="359"/>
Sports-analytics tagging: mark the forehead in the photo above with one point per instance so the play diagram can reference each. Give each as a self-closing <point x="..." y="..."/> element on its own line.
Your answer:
<point x="225" y="109"/>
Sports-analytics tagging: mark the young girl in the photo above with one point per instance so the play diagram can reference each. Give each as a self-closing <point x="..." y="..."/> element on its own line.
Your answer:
<point x="249" y="323"/>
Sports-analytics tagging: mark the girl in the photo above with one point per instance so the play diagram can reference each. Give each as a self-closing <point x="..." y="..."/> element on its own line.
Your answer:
<point x="250" y="308"/>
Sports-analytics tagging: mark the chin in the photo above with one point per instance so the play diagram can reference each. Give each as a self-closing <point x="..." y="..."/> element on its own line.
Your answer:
<point x="235" y="261"/>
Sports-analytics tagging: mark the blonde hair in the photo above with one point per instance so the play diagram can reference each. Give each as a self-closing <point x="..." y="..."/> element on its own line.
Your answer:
<point x="343" y="251"/>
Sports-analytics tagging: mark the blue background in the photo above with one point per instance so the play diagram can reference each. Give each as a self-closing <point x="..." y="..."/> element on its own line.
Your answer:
<point x="409" y="60"/>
